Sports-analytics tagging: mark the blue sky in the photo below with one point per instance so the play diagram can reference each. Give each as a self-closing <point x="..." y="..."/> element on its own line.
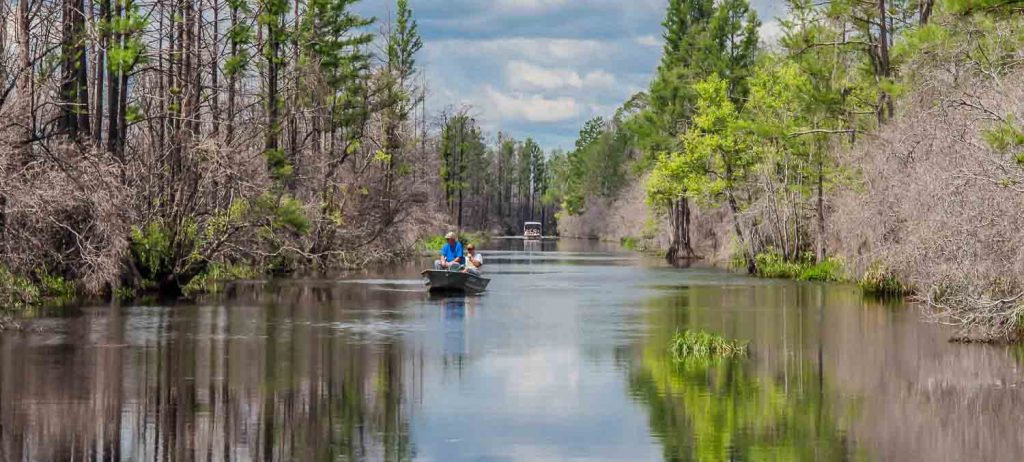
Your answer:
<point x="539" y="68"/>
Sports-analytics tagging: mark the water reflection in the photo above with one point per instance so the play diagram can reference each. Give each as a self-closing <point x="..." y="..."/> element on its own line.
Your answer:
<point x="563" y="358"/>
<point x="712" y="410"/>
<point x="833" y="376"/>
<point x="225" y="383"/>
<point x="456" y="343"/>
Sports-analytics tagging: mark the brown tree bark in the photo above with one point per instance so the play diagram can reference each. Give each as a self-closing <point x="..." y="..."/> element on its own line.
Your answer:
<point x="74" y="73"/>
<point x="270" y="142"/>
<point x="113" y="85"/>
<point x="99" y="68"/>
<point x="232" y="84"/>
<point x="215" y="70"/>
<point x="26" y="83"/>
<point x="885" y="67"/>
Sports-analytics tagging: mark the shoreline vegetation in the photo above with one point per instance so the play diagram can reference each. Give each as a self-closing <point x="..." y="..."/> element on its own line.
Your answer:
<point x="877" y="143"/>
<point x="163" y="147"/>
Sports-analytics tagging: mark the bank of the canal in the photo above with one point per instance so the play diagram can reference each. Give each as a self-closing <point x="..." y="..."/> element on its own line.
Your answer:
<point x="564" y="358"/>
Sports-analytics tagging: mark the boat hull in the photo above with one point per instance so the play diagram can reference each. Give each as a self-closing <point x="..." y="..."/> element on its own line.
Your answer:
<point x="451" y="281"/>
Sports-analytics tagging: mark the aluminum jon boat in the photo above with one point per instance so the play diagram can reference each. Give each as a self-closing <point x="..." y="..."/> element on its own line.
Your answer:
<point x="452" y="281"/>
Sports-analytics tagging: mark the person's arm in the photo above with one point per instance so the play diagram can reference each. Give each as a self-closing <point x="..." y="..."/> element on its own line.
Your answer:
<point x="461" y="258"/>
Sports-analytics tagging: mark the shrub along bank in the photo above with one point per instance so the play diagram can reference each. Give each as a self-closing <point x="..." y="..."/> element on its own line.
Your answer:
<point x="880" y="143"/>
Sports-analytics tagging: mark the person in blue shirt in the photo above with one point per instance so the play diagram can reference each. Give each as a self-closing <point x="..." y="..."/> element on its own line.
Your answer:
<point x="452" y="258"/>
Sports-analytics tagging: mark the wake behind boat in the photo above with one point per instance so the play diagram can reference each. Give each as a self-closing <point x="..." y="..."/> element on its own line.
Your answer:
<point x="454" y="281"/>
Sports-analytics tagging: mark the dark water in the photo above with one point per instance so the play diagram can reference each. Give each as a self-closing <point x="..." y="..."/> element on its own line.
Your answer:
<point x="564" y="358"/>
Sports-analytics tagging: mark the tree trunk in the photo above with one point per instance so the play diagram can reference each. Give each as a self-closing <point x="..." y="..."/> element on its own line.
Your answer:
<point x="232" y="82"/>
<point x="215" y="71"/>
<point x="820" y="254"/>
<point x="75" y="77"/>
<point x="885" y="100"/>
<point x="100" y="69"/>
<point x="270" y="142"/>
<point x="293" y="124"/>
<point x="26" y="82"/>
<point x="925" y="9"/>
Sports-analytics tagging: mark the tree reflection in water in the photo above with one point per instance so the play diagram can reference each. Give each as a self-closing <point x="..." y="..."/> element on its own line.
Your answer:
<point x="262" y="379"/>
<point x="731" y="409"/>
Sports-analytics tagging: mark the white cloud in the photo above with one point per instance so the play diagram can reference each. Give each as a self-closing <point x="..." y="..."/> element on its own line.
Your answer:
<point x="549" y="51"/>
<point x="649" y="41"/>
<point x="600" y="79"/>
<point x="530" y="108"/>
<point x="526" y="76"/>
<point x="528" y="6"/>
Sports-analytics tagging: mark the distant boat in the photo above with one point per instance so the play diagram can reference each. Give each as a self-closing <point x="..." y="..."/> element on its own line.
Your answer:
<point x="454" y="281"/>
<point x="533" y="230"/>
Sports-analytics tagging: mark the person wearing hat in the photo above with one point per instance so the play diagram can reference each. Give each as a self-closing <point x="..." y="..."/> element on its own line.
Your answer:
<point x="451" y="255"/>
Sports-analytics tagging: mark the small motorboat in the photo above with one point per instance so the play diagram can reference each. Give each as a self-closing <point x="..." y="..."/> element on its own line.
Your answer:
<point x="454" y="281"/>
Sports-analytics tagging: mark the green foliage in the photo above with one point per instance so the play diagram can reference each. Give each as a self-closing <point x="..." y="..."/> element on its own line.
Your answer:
<point x="973" y="6"/>
<point x="771" y="264"/>
<point x="463" y="152"/>
<point x="124" y="293"/>
<point x="830" y="270"/>
<point x="151" y="247"/>
<point x="556" y="179"/>
<point x="212" y="280"/>
<point x="17" y="292"/>
<point x="125" y="54"/>
<point x="703" y="346"/>
<point x="702" y="38"/>
<point x="1004" y="136"/>
<point x="55" y="286"/>
<point x="431" y="244"/>
<point x="597" y="167"/>
<point x="403" y="42"/>
<point x="880" y="280"/>
<point x="277" y="164"/>
<point x="333" y="34"/>
<point x="929" y="38"/>
<point x="282" y="212"/>
<point x="235" y="65"/>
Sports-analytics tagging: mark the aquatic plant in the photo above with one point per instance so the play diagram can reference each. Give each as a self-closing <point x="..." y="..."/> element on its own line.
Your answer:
<point x="880" y="280"/>
<point x="704" y="345"/>
<point x="212" y="281"/>
<point x="772" y="264"/>
<point x="16" y="291"/>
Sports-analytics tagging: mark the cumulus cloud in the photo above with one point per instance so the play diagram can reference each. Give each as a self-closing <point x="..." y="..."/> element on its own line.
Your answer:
<point x="530" y="108"/>
<point x="529" y="6"/>
<point x="547" y="51"/>
<point x="649" y="40"/>
<point x="522" y="75"/>
<point x="541" y="67"/>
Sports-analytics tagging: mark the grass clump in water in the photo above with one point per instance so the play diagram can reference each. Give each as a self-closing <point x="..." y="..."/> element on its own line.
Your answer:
<point x="703" y="345"/>
<point x="879" y="280"/>
<point x="212" y="281"/>
<point x="772" y="264"/>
